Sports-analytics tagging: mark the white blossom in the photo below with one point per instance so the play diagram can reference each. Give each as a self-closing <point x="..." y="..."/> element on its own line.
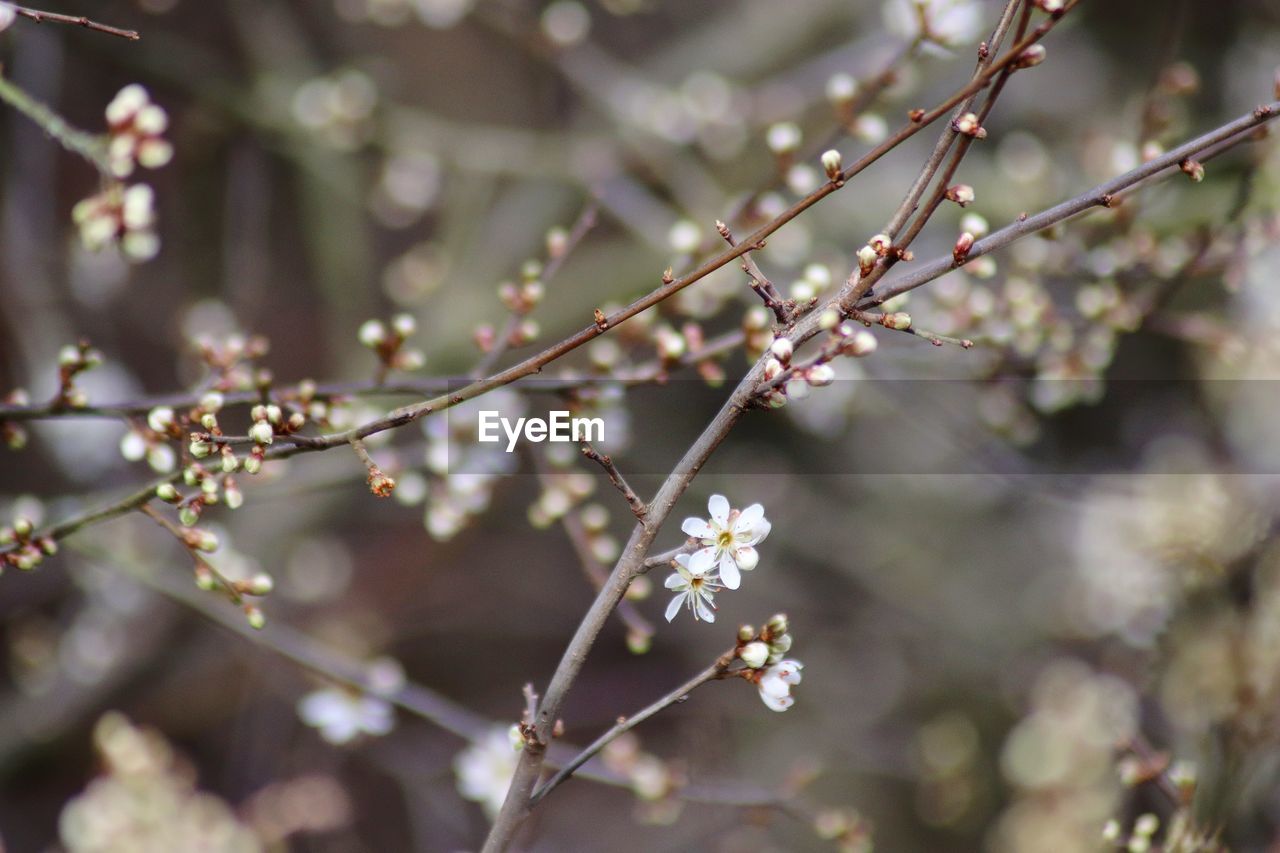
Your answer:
<point x="730" y="537"/>
<point x="776" y="682"/>
<point x="485" y="769"/>
<point x="947" y="22"/>
<point x="695" y="584"/>
<point x="342" y="715"/>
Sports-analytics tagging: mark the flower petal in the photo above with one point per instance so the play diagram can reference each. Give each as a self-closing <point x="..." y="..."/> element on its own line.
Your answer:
<point x="749" y="518"/>
<point x="777" y="703"/>
<point x="697" y="528"/>
<point x="703" y="611"/>
<point x="674" y="607"/>
<point x="718" y="506"/>
<point x="673" y="581"/>
<point x="700" y="562"/>
<point x="729" y="572"/>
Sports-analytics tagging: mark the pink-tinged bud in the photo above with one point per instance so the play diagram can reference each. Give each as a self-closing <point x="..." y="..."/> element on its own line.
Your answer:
<point x="881" y="244"/>
<point x="1193" y="169"/>
<point x="1031" y="57"/>
<point x="252" y="464"/>
<point x="296" y="421"/>
<point x="833" y="165"/>
<point x="782" y="349"/>
<point x="964" y="243"/>
<point x="48" y="545"/>
<point x="968" y="125"/>
<point x="820" y="375"/>
<point x="899" y="321"/>
<point x="772" y="368"/>
<point x="258" y="413"/>
<point x="961" y="194"/>
<point x="257" y="621"/>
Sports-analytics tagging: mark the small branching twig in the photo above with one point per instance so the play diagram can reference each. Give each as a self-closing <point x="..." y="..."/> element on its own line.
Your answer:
<point x="605" y="461"/>
<point x="379" y="483"/>
<point x="760" y="283"/>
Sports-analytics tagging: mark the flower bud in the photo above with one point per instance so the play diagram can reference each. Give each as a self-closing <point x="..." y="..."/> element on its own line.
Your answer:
<point x="189" y="515"/>
<point x="964" y="243"/>
<point x="404" y="325"/>
<point x="160" y="418"/>
<point x="168" y="493"/>
<point x="204" y="540"/>
<point x="252" y="464"/>
<point x="861" y="343"/>
<point x="968" y="125"/>
<point x="22" y="527"/>
<point x="772" y="368"/>
<point x="200" y="448"/>
<point x="638" y="642"/>
<point x="780" y="645"/>
<point x="261" y="584"/>
<point x="796" y="389"/>
<point x="866" y="260"/>
<point x="828" y="319"/>
<point x="1031" y="57"/>
<point x="212" y="402"/>
<point x="899" y="321"/>
<point x="778" y="625"/>
<point x="820" y="375"/>
<point x="961" y="194"/>
<point x="1193" y="169"/>
<point x="783" y="137"/>
<point x="782" y="348"/>
<point x="754" y="654"/>
<point x="255" y="618"/>
<point x="372" y="334"/>
<point x="833" y="164"/>
<point x="746" y="633"/>
<point x="261" y="433"/>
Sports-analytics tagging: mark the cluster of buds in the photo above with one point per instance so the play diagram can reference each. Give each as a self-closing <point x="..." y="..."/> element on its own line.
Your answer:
<point x="523" y="297"/>
<point x="969" y="125"/>
<point x="229" y="360"/>
<point x="387" y="340"/>
<point x="151" y="442"/>
<point x="119" y="215"/>
<point x="74" y="359"/>
<point x="135" y="128"/>
<point x="22" y="548"/>
<point x="766" y="665"/>
<point x="12" y="433"/>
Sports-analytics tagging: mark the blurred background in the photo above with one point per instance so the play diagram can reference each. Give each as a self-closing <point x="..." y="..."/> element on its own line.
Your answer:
<point x="1024" y="578"/>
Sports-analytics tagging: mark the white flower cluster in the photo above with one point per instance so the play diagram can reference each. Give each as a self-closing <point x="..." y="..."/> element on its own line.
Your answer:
<point x="728" y="541"/>
<point x="135" y="126"/>
<point x="764" y="654"/>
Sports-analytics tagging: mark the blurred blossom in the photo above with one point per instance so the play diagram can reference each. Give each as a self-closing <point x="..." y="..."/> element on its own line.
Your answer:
<point x="1144" y="541"/>
<point x="442" y="14"/>
<point x="1059" y="759"/>
<point x="342" y="715"/>
<point x="946" y="22"/>
<point x="566" y="23"/>
<point x="485" y="769"/>
<point x="146" y="799"/>
<point x="339" y="108"/>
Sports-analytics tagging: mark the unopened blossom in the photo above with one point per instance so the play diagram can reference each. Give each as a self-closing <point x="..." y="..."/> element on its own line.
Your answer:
<point x="730" y="537"/>
<point x="118" y="215"/>
<point x="342" y="715"/>
<point x="485" y="769"/>
<point x="695" y="584"/>
<point x="776" y="682"/>
<point x="135" y="126"/>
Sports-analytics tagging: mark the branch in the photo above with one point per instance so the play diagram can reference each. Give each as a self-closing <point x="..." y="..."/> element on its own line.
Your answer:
<point x="87" y="145"/>
<point x="626" y="724"/>
<point x="41" y="17"/>
<point x="638" y="509"/>
<point x="1103" y="195"/>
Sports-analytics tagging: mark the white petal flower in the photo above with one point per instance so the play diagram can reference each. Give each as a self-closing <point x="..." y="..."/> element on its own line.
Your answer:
<point x="342" y="715"/>
<point x="695" y="584"/>
<point x="775" y="684"/>
<point x="485" y="769"/>
<point x="729" y="537"/>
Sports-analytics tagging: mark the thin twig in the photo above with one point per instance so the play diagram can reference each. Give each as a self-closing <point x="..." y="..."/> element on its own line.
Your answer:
<point x="87" y="145"/>
<point x="626" y="724"/>
<point x="638" y="509"/>
<point x="42" y="17"/>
